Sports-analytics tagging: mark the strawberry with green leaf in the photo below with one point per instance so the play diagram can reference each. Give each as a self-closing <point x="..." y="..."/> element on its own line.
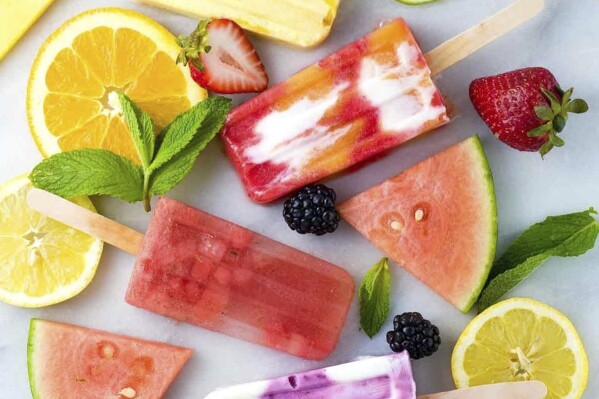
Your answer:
<point x="526" y="109"/>
<point x="222" y="59"/>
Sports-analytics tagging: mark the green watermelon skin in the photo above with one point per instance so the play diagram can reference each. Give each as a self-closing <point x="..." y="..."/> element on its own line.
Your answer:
<point x="68" y="362"/>
<point x="452" y="247"/>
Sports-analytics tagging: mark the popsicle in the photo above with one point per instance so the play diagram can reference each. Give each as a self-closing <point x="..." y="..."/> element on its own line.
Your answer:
<point x="386" y="377"/>
<point x="304" y="23"/>
<point x="16" y="17"/>
<point x="367" y="98"/>
<point x="197" y="268"/>
<point x="383" y="377"/>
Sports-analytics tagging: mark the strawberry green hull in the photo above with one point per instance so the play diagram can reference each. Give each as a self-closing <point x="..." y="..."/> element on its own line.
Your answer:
<point x="66" y="361"/>
<point x="438" y="220"/>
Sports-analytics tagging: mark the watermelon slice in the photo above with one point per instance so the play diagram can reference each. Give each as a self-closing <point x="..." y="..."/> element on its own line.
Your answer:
<point x="67" y="361"/>
<point x="438" y="220"/>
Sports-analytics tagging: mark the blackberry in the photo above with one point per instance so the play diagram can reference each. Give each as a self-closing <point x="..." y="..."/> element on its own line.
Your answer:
<point x="415" y="334"/>
<point x="312" y="210"/>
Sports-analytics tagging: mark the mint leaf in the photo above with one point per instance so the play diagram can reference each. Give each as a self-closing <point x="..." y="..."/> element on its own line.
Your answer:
<point x="374" y="298"/>
<point x="566" y="235"/>
<point x="141" y="128"/>
<point x="89" y="172"/>
<point x="179" y="164"/>
<point x="179" y="134"/>
<point x="505" y="282"/>
<point x="165" y="159"/>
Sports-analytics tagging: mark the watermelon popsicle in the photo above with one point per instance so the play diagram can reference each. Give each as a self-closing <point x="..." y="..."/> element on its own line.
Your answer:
<point x="367" y="98"/>
<point x="200" y="269"/>
<point x="197" y="268"/>
<point x="383" y="377"/>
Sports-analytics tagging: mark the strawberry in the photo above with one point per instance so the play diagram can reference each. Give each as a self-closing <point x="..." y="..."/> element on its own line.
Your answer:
<point x="222" y="59"/>
<point x="526" y="109"/>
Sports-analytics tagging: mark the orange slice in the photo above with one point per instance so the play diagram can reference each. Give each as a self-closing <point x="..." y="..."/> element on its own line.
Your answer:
<point x="72" y="99"/>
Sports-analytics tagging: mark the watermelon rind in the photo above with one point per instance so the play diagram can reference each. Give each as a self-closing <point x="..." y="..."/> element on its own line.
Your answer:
<point x="490" y="185"/>
<point x="30" y="353"/>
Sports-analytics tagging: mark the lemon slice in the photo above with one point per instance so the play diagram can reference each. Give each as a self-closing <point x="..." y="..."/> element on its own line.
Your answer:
<point x="72" y="99"/>
<point x="520" y="340"/>
<point x="42" y="262"/>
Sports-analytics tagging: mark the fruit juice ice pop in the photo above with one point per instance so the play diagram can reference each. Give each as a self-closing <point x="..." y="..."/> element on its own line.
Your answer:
<point x="16" y="17"/>
<point x="200" y="269"/>
<point x="387" y="377"/>
<point x="304" y="23"/>
<point x="368" y="97"/>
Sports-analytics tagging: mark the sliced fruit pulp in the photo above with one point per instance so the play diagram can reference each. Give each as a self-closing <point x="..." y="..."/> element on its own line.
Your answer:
<point x="537" y="340"/>
<point x="334" y="114"/>
<point x="41" y="260"/>
<point x="524" y="342"/>
<point x="437" y="220"/>
<point x="78" y="90"/>
<point x="206" y="271"/>
<point x="90" y="364"/>
<point x="104" y="61"/>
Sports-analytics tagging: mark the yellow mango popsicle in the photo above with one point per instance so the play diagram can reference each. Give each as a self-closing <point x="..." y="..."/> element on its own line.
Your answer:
<point x="304" y="23"/>
<point x="16" y="17"/>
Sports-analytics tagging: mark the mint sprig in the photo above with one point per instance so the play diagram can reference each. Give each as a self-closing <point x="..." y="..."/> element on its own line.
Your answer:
<point x="374" y="295"/>
<point x="564" y="236"/>
<point x="165" y="160"/>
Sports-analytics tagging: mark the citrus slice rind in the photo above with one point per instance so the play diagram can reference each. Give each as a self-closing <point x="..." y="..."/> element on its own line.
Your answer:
<point x="518" y="340"/>
<point x="71" y="96"/>
<point x="42" y="262"/>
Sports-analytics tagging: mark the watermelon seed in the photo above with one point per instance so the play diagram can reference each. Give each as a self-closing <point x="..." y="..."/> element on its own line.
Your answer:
<point x="106" y="350"/>
<point x="393" y="222"/>
<point x="419" y="214"/>
<point x="395" y="225"/>
<point x="129" y="393"/>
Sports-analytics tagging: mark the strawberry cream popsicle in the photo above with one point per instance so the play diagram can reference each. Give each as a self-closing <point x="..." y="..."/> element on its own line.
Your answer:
<point x="203" y="270"/>
<point x="366" y="98"/>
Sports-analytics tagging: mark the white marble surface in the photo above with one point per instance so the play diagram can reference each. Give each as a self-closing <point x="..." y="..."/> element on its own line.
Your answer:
<point x="564" y="38"/>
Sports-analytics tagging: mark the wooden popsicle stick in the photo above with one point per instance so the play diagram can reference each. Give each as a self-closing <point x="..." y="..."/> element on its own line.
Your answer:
<point x="468" y="42"/>
<point x="83" y="219"/>
<point x="507" y="390"/>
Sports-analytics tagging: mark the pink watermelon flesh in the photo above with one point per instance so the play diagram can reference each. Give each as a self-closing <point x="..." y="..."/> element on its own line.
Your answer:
<point x="438" y="220"/>
<point x="67" y="361"/>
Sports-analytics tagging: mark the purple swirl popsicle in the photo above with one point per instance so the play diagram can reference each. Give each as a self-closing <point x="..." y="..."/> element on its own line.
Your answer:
<point x="386" y="377"/>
